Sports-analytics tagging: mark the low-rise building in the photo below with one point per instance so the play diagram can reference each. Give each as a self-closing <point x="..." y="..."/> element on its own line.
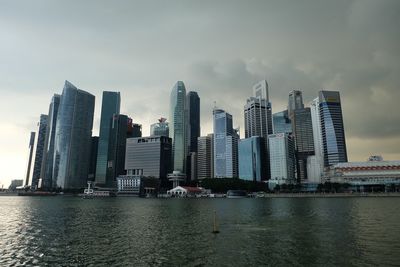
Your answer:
<point x="185" y="191"/>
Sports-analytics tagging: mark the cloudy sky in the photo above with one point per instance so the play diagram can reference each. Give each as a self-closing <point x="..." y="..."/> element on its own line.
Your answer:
<point x="218" y="48"/>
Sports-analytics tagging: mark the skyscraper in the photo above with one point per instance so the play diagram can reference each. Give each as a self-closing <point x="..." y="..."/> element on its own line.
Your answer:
<point x="332" y="128"/>
<point x="282" y="122"/>
<point x="31" y="147"/>
<point x="315" y="165"/>
<point x="251" y="158"/>
<point x="48" y="156"/>
<point x="40" y="147"/>
<point x="111" y="103"/>
<point x="225" y="145"/>
<point x="193" y="115"/>
<point x="177" y="130"/>
<point x="295" y="101"/>
<point x="93" y="158"/>
<point x="160" y="128"/>
<point x="304" y="140"/>
<point x="121" y="128"/>
<point x="282" y="156"/>
<point x="258" y="119"/>
<point x="205" y="158"/>
<point x="73" y="138"/>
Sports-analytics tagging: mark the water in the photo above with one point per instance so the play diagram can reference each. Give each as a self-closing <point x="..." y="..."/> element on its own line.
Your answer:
<point x="69" y="231"/>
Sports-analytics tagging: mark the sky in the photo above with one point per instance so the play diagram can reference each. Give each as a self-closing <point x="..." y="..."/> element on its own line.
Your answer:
<point x="218" y="48"/>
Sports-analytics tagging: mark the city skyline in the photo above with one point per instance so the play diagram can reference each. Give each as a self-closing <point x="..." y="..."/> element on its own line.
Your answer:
<point x="364" y="74"/>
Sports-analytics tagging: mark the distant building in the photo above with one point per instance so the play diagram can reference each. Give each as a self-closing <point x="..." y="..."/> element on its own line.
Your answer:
<point x="225" y="145"/>
<point x="185" y="191"/>
<point x="295" y="101"/>
<point x="15" y="183"/>
<point x="282" y="156"/>
<point x="40" y="147"/>
<point x="31" y="147"/>
<point x="251" y="158"/>
<point x="332" y="128"/>
<point x="111" y="103"/>
<point x="315" y="164"/>
<point x="149" y="157"/>
<point x="73" y="138"/>
<point x="205" y="157"/>
<point x="258" y="119"/>
<point x="193" y="123"/>
<point x="160" y="129"/>
<point x="48" y="156"/>
<point x="178" y="126"/>
<point x="121" y="128"/>
<point x="369" y="173"/>
<point x="282" y="122"/>
<point x="93" y="158"/>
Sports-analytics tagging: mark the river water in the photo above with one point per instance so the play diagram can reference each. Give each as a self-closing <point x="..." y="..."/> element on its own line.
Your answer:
<point x="69" y="231"/>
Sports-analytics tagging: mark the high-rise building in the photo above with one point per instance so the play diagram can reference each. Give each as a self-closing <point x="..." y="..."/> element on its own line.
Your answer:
<point x="315" y="164"/>
<point x="160" y="128"/>
<point x="225" y="145"/>
<point x="93" y="158"/>
<point x="295" y="101"/>
<point x="258" y="120"/>
<point x="149" y="157"/>
<point x="205" y="158"/>
<point x="332" y="128"/>
<point x="111" y="103"/>
<point x="46" y="172"/>
<point x="193" y="122"/>
<point x="177" y="130"/>
<point x="40" y="147"/>
<point x="282" y="122"/>
<point x="282" y="156"/>
<point x="251" y="158"/>
<point x="73" y="138"/>
<point x="304" y="140"/>
<point x="31" y="147"/>
<point x="121" y="128"/>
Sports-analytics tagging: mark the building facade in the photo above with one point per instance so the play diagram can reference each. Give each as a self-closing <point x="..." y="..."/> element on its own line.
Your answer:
<point x="149" y="157"/>
<point x="93" y="158"/>
<point x="73" y="138"/>
<point x="29" y="167"/>
<point x="282" y="122"/>
<point x="160" y="128"/>
<point x="295" y="101"/>
<point x="178" y="126"/>
<point x="251" y="158"/>
<point x="332" y="128"/>
<point x="316" y="163"/>
<point x="40" y="148"/>
<point x="282" y="156"/>
<point x="205" y="158"/>
<point x="110" y="105"/>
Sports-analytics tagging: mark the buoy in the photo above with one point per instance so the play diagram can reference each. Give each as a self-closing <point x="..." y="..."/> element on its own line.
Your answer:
<point x="215" y="227"/>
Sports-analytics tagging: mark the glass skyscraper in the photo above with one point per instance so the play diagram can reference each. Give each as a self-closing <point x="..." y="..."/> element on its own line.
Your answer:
<point x="160" y="129"/>
<point x="40" y="147"/>
<point x="73" y="138"/>
<point x="282" y="122"/>
<point x="110" y="105"/>
<point x="193" y="113"/>
<point x="332" y="128"/>
<point x="282" y="156"/>
<point x="47" y="164"/>
<point x="177" y="130"/>
<point x="250" y="158"/>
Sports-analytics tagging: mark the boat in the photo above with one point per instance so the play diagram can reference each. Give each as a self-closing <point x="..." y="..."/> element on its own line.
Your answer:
<point x="236" y="194"/>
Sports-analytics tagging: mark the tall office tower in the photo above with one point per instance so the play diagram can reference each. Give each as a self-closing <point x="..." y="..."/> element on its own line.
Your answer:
<point x="225" y="145"/>
<point x="177" y="130"/>
<point x="315" y="164"/>
<point x="31" y="147"/>
<point x="160" y="128"/>
<point x="282" y="122"/>
<point x="110" y="105"/>
<point x="304" y="140"/>
<point x="205" y="158"/>
<point x="93" y="158"/>
<point x="332" y="128"/>
<point x="295" y="101"/>
<point x="73" y="138"/>
<point x="258" y="119"/>
<point x="46" y="172"/>
<point x="121" y="128"/>
<point x="149" y="156"/>
<point x="193" y="123"/>
<point x="251" y="158"/>
<point x="282" y="156"/>
<point x="40" y="143"/>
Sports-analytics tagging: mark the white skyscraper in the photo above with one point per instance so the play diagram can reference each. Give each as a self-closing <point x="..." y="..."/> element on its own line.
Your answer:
<point x="315" y="164"/>
<point x="282" y="157"/>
